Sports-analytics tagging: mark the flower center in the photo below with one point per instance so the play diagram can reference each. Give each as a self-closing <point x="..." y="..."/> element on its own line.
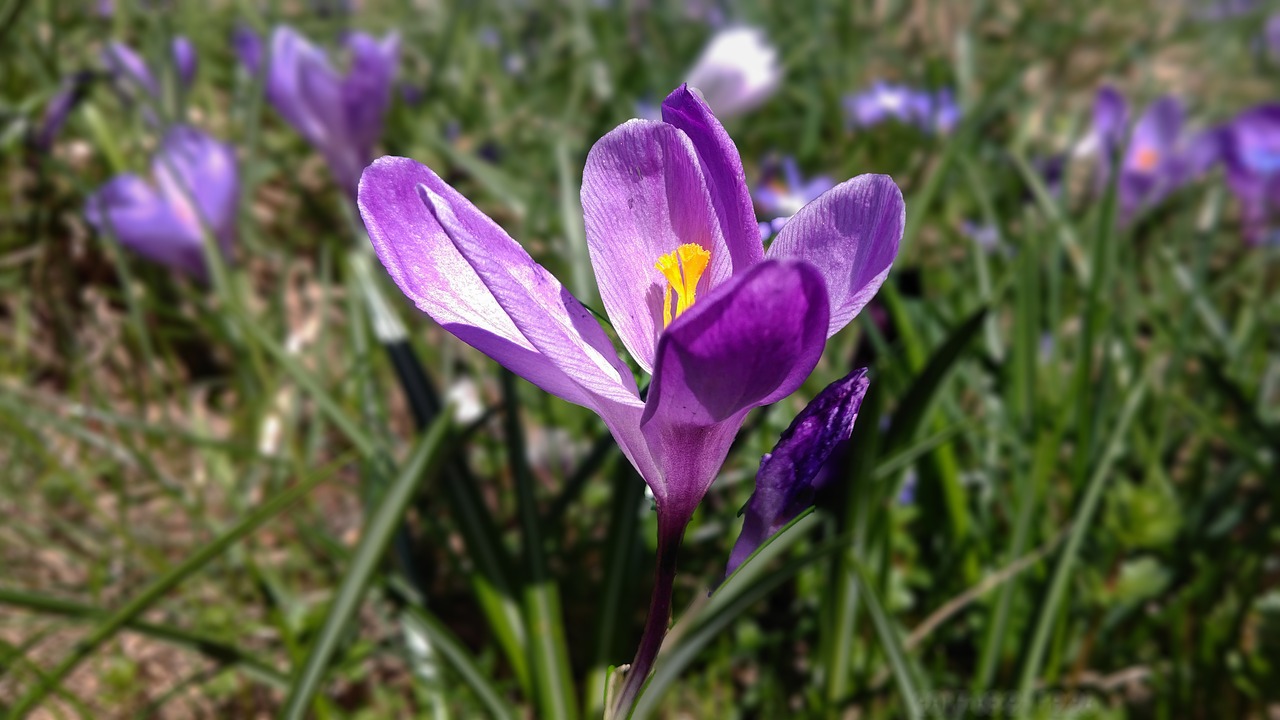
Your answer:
<point x="1145" y="159"/>
<point x="682" y="268"/>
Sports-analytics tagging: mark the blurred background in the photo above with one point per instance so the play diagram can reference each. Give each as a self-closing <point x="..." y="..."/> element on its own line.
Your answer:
<point x="1059" y="501"/>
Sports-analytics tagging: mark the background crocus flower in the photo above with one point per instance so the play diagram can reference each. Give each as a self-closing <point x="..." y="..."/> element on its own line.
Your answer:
<point x="195" y="188"/>
<point x="737" y="71"/>
<point x="793" y="472"/>
<point x="882" y="102"/>
<point x="1156" y="158"/>
<point x="55" y="115"/>
<point x="1251" y="152"/>
<point x="785" y="192"/>
<point x="340" y="116"/>
<point x="132" y="76"/>
<point x="721" y="326"/>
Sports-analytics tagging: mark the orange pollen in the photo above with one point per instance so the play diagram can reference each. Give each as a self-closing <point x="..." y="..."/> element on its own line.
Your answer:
<point x="1146" y="159"/>
<point x="683" y="268"/>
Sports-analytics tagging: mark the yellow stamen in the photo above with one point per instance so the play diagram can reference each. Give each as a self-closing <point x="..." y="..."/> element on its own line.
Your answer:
<point x="683" y="268"/>
<point x="1145" y="159"/>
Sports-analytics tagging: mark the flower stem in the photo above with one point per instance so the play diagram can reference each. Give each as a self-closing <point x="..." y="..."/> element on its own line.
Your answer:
<point x="670" y="534"/>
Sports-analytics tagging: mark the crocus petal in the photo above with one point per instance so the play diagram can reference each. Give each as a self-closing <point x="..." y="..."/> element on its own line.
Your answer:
<point x="141" y="219"/>
<point x="1202" y="152"/>
<point x="644" y="195"/>
<point x="128" y="67"/>
<point x="722" y="168"/>
<point x="851" y="235"/>
<point x="184" y="59"/>
<point x="790" y="475"/>
<point x="70" y="93"/>
<point x="464" y="271"/>
<point x="751" y="342"/>
<point x="1157" y="130"/>
<point x="193" y="166"/>
<point x="311" y="107"/>
<point x="367" y="87"/>
<point x="1110" y="119"/>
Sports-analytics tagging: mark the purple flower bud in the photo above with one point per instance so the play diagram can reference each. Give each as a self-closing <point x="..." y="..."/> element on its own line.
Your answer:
<point x="791" y="474"/>
<point x="184" y="60"/>
<point x="134" y="78"/>
<point x="69" y="94"/>
<point x="129" y="71"/>
<point x="248" y="47"/>
<point x="195" y="190"/>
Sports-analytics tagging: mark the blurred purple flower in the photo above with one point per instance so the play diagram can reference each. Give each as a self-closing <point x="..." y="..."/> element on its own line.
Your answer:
<point x="986" y="235"/>
<point x="184" y="60"/>
<point x="70" y="93"/>
<point x="133" y="77"/>
<point x="737" y="71"/>
<point x="1156" y="157"/>
<point x="248" y="47"/>
<point x="907" y="495"/>
<point x="784" y="192"/>
<point x="196" y="188"/>
<point x="1251" y="150"/>
<point x="931" y="112"/>
<point x="340" y="116"/>
<point x="722" y="326"/>
<point x="793" y="472"/>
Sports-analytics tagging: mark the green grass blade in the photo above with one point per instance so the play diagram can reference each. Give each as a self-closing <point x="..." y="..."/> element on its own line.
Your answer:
<point x="460" y="659"/>
<point x="217" y="650"/>
<point x="548" y="652"/>
<point x="1080" y="524"/>
<point x="379" y="529"/>
<point x="158" y="588"/>
<point x="890" y="640"/>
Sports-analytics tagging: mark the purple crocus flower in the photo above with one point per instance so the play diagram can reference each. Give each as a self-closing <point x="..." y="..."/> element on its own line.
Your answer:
<point x="1251" y="151"/>
<point x="340" y="116"/>
<point x="931" y="112"/>
<point x="70" y="93"/>
<point x="133" y="76"/>
<point x="196" y="188"/>
<point x="791" y="474"/>
<point x="881" y="102"/>
<point x="248" y="47"/>
<point x="785" y="193"/>
<point x="722" y="326"/>
<point x="1156" y="158"/>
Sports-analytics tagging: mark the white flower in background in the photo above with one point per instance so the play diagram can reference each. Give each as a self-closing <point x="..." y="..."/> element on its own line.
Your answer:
<point x="737" y="71"/>
<point x="464" y="395"/>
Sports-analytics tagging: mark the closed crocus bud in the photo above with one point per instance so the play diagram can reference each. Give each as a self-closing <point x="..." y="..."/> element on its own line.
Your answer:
<point x="129" y="71"/>
<point x="69" y="94"/>
<point x="791" y="474"/>
<point x="248" y="47"/>
<point x="194" y="189"/>
<point x="184" y="60"/>
<point x="737" y="71"/>
<point x="132" y="76"/>
<point x="341" y="116"/>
